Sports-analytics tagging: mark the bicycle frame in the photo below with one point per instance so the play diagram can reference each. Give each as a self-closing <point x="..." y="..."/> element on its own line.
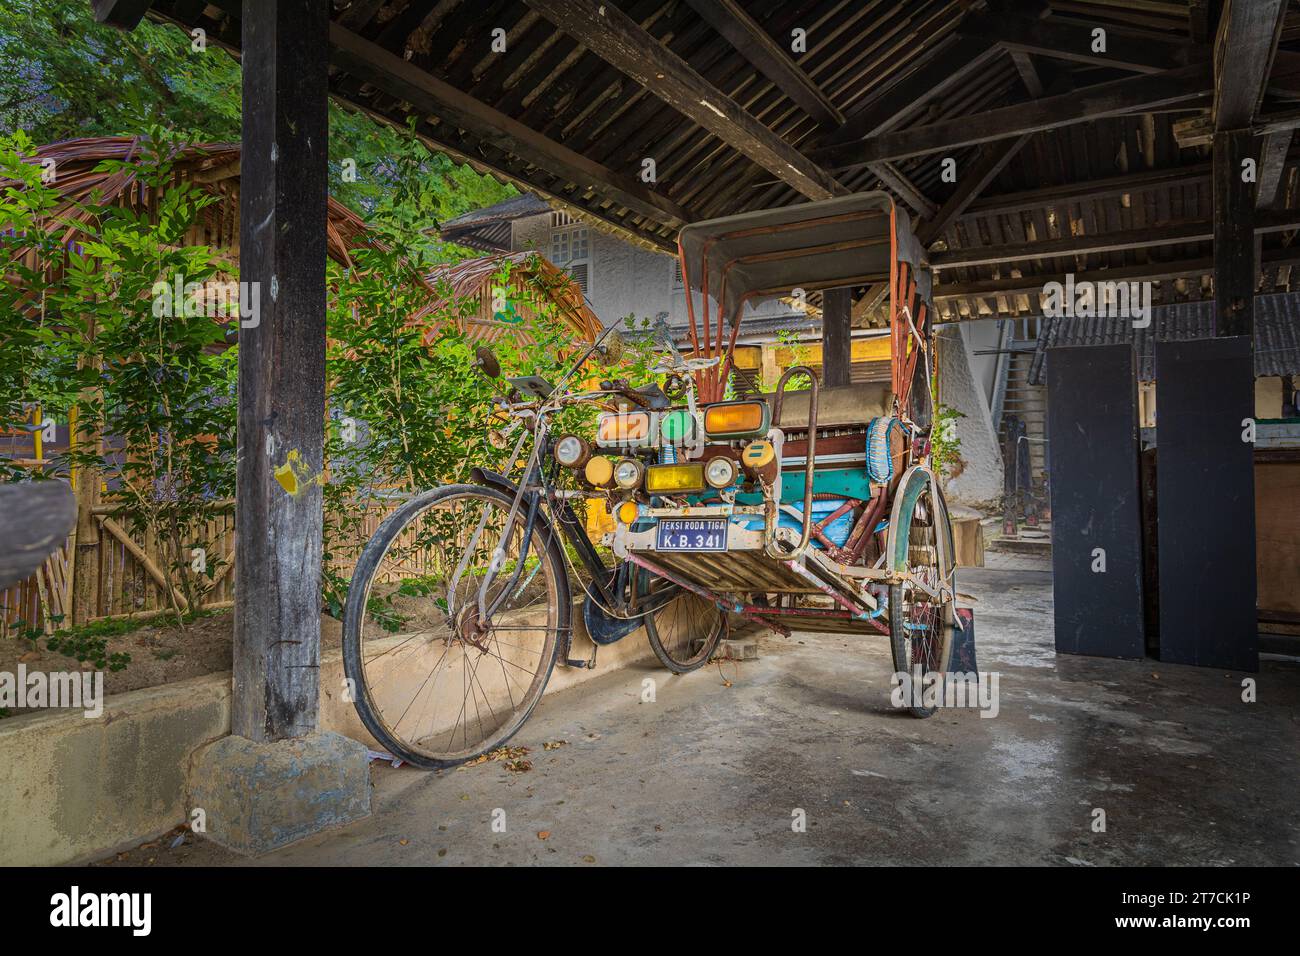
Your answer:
<point x="529" y="496"/>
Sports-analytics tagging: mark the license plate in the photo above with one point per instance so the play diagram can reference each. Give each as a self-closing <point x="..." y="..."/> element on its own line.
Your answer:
<point x="692" y="534"/>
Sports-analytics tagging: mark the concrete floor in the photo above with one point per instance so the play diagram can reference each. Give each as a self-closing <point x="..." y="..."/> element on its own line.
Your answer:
<point x="711" y="774"/>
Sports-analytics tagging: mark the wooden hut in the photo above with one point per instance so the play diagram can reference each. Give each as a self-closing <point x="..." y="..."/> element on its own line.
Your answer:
<point x="533" y="280"/>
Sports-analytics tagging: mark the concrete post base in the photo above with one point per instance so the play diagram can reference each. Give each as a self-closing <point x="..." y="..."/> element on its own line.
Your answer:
<point x="256" y="797"/>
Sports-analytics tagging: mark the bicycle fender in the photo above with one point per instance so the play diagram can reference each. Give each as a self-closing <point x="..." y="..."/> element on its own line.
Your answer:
<point x="493" y="479"/>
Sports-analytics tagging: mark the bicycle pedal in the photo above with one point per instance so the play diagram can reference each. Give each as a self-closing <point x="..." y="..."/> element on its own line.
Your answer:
<point x="573" y="662"/>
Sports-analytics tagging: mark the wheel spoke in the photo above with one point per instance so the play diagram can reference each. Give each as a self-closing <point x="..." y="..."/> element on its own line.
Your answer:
<point x="406" y="646"/>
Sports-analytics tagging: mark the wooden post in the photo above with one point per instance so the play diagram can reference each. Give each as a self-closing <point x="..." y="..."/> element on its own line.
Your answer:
<point x="281" y="369"/>
<point x="1235" y="264"/>
<point x="84" y="567"/>
<point x="837" y="346"/>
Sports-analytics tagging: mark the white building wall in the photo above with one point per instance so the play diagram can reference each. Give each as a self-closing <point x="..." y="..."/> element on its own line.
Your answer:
<point x="978" y="482"/>
<point x="624" y="279"/>
<point x="982" y="335"/>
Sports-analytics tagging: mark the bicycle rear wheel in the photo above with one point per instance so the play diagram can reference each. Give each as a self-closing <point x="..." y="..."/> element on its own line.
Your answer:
<point x="685" y="632"/>
<point x="442" y="669"/>
<point x="922" y="612"/>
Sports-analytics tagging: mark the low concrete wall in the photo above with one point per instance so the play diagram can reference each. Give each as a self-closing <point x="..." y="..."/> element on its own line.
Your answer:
<point x="80" y="789"/>
<point x="75" y="787"/>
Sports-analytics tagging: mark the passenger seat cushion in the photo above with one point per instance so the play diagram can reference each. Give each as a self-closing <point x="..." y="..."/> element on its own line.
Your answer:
<point x="841" y="405"/>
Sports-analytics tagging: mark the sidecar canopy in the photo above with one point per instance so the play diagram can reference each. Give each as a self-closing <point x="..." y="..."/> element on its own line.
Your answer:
<point x="846" y="241"/>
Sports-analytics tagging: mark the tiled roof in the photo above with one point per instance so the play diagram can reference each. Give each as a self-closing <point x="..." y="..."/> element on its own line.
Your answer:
<point x="1277" y="334"/>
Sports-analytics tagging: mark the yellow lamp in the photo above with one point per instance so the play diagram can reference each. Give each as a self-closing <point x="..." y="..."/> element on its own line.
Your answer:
<point x="599" y="471"/>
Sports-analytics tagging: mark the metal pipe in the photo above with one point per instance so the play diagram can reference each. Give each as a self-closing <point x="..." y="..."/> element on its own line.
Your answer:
<point x="769" y="536"/>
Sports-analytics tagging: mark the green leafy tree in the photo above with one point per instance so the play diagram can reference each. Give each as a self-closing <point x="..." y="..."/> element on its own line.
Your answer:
<point x="96" y="339"/>
<point x="73" y="77"/>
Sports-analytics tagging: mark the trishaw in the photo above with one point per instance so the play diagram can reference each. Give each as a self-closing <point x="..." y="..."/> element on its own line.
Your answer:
<point x="810" y="510"/>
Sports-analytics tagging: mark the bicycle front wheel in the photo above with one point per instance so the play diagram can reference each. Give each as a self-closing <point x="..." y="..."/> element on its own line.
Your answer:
<point x="453" y="624"/>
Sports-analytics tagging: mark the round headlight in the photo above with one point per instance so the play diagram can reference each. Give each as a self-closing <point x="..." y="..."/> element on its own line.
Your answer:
<point x="571" y="451"/>
<point x="599" y="471"/>
<point x="720" y="472"/>
<point x="627" y="473"/>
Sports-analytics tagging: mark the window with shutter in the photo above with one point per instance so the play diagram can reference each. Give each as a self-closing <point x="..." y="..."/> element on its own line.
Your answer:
<point x="571" y="251"/>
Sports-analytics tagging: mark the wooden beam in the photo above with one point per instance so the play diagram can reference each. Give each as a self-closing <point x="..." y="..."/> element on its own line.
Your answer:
<point x="1088" y="189"/>
<point x="1235" y="265"/>
<point x="1198" y="20"/>
<point x="282" y="203"/>
<point x="1116" y="98"/>
<point x="612" y="35"/>
<point x="868" y="302"/>
<point x="124" y="14"/>
<point x="1029" y="284"/>
<point x="429" y="136"/>
<point x="1170" y="234"/>
<point x="1028" y="73"/>
<point x="372" y="63"/>
<point x="1243" y="57"/>
<point x="993" y="159"/>
<point x="756" y="45"/>
<point x="888" y="174"/>
<point x="1272" y="163"/>
<point x="1073" y="40"/>
<point x="836" y="336"/>
<point x="941" y="71"/>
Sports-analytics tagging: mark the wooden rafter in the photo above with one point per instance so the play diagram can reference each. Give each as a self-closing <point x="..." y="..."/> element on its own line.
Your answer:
<point x="1116" y="98"/>
<point x="1028" y="284"/>
<point x="400" y="78"/>
<point x="1101" y="188"/>
<point x="993" y="159"/>
<point x="754" y="43"/>
<point x="942" y="71"/>
<point x="1074" y="40"/>
<point x="1243" y="58"/>
<point x="1169" y="234"/>
<point x="613" y="36"/>
<point x="890" y="175"/>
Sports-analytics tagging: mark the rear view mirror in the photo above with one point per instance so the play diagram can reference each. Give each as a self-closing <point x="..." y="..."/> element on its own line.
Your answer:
<point x="486" y="362"/>
<point x="611" y="349"/>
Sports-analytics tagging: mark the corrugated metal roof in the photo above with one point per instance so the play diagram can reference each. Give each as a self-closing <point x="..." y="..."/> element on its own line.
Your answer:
<point x="1277" y="334"/>
<point x="488" y="229"/>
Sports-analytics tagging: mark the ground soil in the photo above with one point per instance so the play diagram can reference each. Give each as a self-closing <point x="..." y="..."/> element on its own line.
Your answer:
<point x="161" y="652"/>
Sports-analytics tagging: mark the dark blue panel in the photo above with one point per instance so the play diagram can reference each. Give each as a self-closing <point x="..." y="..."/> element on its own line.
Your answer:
<point x="1205" y="503"/>
<point x="1096" y="514"/>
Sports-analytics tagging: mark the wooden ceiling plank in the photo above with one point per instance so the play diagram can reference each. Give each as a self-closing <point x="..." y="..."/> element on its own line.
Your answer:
<point x="754" y="43"/>
<point x="970" y="185"/>
<point x="941" y="71"/>
<point x="1030" y="284"/>
<point x="399" y="78"/>
<point x="1044" y="248"/>
<point x="1115" y="98"/>
<point x="608" y="32"/>
<point x="1073" y="40"/>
